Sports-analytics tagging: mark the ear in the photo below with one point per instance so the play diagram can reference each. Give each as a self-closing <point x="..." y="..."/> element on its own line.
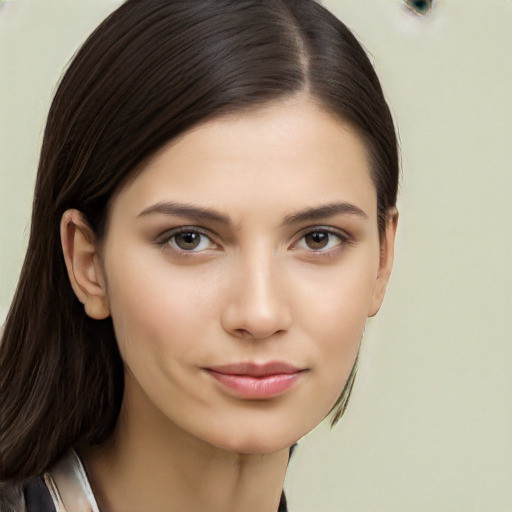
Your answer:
<point x="386" y="262"/>
<point x="79" y="246"/>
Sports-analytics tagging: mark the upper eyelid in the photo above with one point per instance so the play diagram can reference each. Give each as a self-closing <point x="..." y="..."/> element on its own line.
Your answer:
<point x="329" y="229"/>
<point x="168" y="233"/>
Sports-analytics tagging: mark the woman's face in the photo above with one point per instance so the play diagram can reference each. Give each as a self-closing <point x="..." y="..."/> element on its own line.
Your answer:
<point x="241" y="265"/>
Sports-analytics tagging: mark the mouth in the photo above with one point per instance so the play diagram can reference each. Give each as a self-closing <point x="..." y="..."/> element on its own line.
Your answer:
<point x="256" y="381"/>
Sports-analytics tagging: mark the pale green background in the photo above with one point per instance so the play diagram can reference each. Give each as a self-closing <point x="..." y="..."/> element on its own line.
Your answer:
<point x="429" y="424"/>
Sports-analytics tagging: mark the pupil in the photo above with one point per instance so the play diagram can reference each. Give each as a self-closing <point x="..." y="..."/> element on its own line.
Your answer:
<point x="187" y="240"/>
<point x="317" y="240"/>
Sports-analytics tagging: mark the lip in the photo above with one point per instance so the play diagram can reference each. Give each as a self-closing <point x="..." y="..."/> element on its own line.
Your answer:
<point x="256" y="381"/>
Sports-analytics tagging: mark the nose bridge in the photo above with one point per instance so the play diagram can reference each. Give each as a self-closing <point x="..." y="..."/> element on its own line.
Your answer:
<point x="257" y="304"/>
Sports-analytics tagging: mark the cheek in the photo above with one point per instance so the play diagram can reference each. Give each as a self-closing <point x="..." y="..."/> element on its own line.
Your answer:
<point x="334" y="315"/>
<point x="338" y="300"/>
<point x="154" y="307"/>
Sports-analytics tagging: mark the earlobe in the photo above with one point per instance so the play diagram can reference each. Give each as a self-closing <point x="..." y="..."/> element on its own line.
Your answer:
<point x="386" y="262"/>
<point x="83" y="264"/>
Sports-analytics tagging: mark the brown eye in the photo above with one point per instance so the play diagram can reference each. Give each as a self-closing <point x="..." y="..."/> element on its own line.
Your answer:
<point x="322" y="240"/>
<point x="317" y="240"/>
<point x="187" y="241"/>
<point x="190" y="241"/>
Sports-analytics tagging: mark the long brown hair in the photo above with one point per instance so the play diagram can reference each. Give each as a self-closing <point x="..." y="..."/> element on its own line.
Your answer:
<point x="150" y="71"/>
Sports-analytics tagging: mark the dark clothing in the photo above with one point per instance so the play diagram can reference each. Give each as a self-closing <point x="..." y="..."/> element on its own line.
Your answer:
<point x="37" y="497"/>
<point x="30" y="495"/>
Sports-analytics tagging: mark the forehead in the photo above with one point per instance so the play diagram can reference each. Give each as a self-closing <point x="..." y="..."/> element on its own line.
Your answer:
<point x="285" y="156"/>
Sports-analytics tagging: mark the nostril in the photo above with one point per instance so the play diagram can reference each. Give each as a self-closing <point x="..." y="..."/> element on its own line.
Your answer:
<point x="257" y="334"/>
<point x="243" y="333"/>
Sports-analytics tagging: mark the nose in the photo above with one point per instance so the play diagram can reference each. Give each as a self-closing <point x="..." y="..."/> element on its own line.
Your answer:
<point x="256" y="305"/>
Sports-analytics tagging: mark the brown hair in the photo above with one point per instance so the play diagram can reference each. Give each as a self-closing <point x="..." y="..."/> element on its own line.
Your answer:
<point x="150" y="71"/>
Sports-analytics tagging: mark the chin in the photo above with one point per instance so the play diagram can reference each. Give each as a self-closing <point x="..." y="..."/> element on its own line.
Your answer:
<point x="257" y="441"/>
<point x="257" y="447"/>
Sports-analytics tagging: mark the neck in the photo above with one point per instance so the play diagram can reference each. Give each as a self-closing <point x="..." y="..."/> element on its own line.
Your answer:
<point x="155" y="465"/>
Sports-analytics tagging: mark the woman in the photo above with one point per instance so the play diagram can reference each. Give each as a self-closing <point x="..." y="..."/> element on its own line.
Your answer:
<point x="213" y="222"/>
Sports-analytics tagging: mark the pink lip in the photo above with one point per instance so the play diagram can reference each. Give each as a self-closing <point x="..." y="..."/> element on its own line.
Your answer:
<point x="256" y="381"/>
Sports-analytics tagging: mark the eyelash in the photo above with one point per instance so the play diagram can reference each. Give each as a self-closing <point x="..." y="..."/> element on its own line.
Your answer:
<point x="168" y="240"/>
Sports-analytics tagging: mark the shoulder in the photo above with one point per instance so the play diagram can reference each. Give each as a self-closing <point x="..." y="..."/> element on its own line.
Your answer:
<point x="30" y="495"/>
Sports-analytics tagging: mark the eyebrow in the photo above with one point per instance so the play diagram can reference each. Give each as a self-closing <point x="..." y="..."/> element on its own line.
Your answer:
<point x="186" y="210"/>
<point x="322" y="212"/>
<point x="207" y="214"/>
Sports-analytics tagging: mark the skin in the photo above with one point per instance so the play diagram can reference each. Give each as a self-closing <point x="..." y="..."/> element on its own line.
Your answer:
<point x="275" y="276"/>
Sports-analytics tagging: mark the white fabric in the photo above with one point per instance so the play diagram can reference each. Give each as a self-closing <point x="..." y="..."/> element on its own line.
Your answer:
<point x="69" y="487"/>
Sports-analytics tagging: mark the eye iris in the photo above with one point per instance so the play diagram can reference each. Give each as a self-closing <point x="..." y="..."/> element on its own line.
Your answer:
<point x="317" y="240"/>
<point x="187" y="241"/>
